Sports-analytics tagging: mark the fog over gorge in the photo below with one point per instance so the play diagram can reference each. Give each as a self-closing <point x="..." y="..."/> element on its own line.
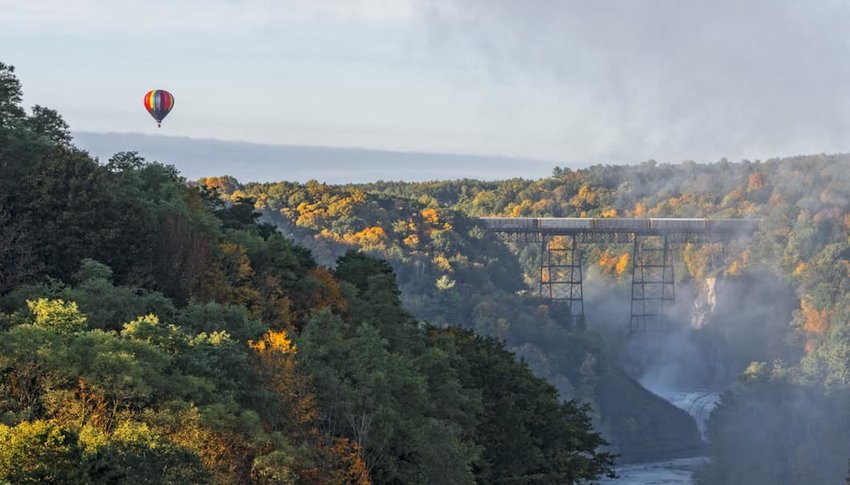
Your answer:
<point x="667" y="80"/>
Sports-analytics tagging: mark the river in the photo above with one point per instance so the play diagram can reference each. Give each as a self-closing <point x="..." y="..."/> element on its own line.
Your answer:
<point x="698" y="404"/>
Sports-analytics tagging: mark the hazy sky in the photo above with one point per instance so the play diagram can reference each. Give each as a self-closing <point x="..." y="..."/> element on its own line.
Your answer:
<point x="571" y="81"/>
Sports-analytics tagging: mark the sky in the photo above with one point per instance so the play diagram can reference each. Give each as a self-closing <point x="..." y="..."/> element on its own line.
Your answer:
<point x="570" y="81"/>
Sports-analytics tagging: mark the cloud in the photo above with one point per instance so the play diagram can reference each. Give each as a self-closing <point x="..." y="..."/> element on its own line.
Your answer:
<point x="669" y="77"/>
<point x="158" y="17"/>
<point x="570" y="80"/>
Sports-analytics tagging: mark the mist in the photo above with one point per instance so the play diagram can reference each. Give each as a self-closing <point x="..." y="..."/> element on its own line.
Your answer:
<point x="666" y="80"/>
<point x="257" y="162"/>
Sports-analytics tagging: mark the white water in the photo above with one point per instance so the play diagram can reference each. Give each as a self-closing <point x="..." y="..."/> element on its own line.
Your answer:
<point x="679" y="471"/>
<point x="672" y="472"/>
<point x="697" y="404"/>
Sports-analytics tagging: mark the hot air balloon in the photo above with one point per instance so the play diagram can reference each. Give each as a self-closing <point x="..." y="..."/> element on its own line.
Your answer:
<point x="158" y="103"/>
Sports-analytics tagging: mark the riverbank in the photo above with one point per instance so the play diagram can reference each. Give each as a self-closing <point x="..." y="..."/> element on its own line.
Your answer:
<point x="678" y="471"/>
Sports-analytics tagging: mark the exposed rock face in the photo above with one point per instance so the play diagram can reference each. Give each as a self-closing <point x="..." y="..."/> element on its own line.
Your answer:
<point x="641" y="425"/>
<point x="705" y="301"/>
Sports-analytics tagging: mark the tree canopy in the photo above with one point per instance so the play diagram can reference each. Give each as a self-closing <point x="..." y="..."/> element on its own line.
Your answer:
<point x="151" y="332"/>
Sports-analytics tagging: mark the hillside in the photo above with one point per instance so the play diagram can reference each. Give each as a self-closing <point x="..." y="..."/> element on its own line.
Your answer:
<point x="452" y="272"/>
<point x="780" y="326"/>
<point x="150" y="333"/>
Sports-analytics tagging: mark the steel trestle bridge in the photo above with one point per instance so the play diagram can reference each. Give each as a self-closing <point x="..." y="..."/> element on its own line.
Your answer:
<point x="652" y="240"/>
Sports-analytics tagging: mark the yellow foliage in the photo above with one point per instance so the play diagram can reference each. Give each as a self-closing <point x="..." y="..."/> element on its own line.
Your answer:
<point x="325" y="233"/>
<point x="815" y="321"/>
<point x="238" y="264"/>
<point x="610" y="212"/>
<point x="607" y="261"/>
<point x="57" y="315"/>
<point x="800" y="269"/>
<point x="329" y="292"/>
<point x="640" y="209"/>
<point x="524" y="208"/>
<point x="698" y="259"/>
<point x="371" y="236"/>
<point x="316" y="189"/>
<point x="340" y="207"/>
<point x="339" y="460"/>
<point x="734" y="268"/>
<point x="309" y="215"/>
<point x="558" y="242"/>
<point x="443" y="263"/>
<point x="622" y="264"/>
<point x="223" y="185"/>
<point x="733" y="198"/>
<point x="412" y="241"/>
<point x="237" y="195"/>
<point x="276" y="353"/>
<point x="585" y="198"/>
<point x="430" y="216"/>
<point x="227" y="454"/>
<point x="274" y="342"/>
<point x="358" y="196"/>
<point x="542" y="205"/>
<point x="681" y="200"/>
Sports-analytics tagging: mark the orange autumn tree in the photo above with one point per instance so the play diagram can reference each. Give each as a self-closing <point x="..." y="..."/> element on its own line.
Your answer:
<point x="431" y="216"/>
<point x="338" y="460"/>
<point x="607" y="261"/>
<point x="328" y="294"/>
<point x="815" y="321"/>
<point x="229" y="279"/>
<point x="756" y="181"/>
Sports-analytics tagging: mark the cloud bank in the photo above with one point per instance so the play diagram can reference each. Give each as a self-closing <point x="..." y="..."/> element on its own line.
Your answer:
<point x="568" y="80"/>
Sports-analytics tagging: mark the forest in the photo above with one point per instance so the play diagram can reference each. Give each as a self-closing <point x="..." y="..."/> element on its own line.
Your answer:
<point x="157" y="329"/>
<point x="779" y="344"/>
<point x="153" y="332"/>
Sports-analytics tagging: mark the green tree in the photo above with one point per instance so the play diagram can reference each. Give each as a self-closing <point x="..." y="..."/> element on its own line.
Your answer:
<point x="526" y="432"/>
<point x="41" y="452"/>
<point x="11" y="95"/>
<point x="135" y="454"/>
<point x="47" y="123"/>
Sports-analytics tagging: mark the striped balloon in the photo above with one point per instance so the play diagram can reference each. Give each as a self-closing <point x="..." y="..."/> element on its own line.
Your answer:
<point x="158" y="103"/>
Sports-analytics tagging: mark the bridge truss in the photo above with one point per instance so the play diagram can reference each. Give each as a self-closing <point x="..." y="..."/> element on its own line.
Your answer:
<point x="653" y="288"/>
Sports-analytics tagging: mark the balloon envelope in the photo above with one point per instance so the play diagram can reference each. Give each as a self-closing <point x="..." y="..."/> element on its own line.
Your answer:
<point x="158" y="103"/>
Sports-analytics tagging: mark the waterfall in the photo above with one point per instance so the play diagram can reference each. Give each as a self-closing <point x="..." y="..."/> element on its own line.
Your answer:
<point x="698" y="404"/>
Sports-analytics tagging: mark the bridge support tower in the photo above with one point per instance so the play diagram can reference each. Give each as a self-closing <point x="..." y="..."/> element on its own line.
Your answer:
<point x="560" y="272"/>
<point x="653" y="281"/>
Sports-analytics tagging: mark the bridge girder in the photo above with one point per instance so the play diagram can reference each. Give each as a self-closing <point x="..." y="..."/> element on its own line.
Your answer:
<point x="653" y="271"/>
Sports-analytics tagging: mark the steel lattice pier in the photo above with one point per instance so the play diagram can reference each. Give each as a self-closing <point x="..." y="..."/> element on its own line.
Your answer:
<point x="653" y="289"/>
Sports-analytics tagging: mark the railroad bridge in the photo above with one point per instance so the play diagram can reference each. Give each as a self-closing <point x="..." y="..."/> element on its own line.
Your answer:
<point x="653" y="285"/>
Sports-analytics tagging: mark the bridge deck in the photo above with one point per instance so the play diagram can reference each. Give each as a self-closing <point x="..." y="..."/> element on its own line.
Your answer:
<point x="620" y="225"/>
